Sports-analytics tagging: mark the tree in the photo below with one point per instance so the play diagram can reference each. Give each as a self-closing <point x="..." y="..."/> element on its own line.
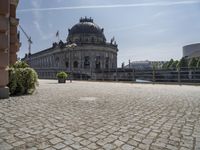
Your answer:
<point x="169" y="63"/>
<point x="182" y="63"/>
<point x="164" y="66"/>
<point x="156" y="65"/>
<point x="198" y="63"/>
<point x="192" y="63"/>
<point x="174" y="64"/>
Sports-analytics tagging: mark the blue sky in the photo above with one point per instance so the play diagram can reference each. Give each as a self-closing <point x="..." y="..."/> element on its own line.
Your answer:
<point x="143" y="29"/>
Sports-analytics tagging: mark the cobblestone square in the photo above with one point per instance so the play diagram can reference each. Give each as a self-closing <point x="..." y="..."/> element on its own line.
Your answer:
<point x="102" y="115"/>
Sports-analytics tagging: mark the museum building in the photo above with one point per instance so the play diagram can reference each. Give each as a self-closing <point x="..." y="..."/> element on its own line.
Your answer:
<point x="84" y="53"/>
<point x="191" y="51"/>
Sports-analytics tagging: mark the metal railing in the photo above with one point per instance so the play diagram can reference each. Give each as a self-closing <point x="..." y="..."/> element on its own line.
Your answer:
<point x="183" y="75"/>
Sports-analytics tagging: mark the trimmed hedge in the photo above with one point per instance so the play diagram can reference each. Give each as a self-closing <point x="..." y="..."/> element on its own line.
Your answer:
<point x="22" y="79"/>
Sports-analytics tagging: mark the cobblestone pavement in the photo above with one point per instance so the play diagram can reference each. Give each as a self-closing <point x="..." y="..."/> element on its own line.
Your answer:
<point x="97" y="115"/>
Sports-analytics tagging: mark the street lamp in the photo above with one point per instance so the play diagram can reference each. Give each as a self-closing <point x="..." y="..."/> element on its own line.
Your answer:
<point x="73" y="45"/>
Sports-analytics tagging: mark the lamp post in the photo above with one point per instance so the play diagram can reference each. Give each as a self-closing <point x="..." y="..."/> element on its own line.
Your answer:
<point x="73" y="45"/>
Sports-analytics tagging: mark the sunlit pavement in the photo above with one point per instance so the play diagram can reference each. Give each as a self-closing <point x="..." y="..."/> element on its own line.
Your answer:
<point x="100" y="115"/>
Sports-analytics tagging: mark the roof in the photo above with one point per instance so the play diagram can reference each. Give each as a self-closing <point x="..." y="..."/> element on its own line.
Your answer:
<point x="86" y="26"/>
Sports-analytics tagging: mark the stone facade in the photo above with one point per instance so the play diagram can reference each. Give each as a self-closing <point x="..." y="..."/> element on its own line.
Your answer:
<point x="85" y="52"/>
<point x="9" y="41"/>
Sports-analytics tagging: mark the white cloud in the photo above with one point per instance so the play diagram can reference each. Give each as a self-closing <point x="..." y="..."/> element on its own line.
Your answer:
<point x="43" y="35"/>
<point x="127" y="27"/>
<point x="37" y="19"/>
<point x="185" y="2"/>
<point x="35" y="4"/>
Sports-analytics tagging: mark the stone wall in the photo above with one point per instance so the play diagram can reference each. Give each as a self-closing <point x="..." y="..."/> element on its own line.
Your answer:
<point x="9" y="43"/>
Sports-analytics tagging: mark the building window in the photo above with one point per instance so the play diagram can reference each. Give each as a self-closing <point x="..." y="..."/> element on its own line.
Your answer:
<point x="92" y="40"/>
<point x="66" y="64"/>
<point x="77" y="40"/>
<point x="87" y="62"/>
<point x="57" y="61"/>
<point x="97" y="62"/>
<point x="107" y="62"/>
<point x="75" y="64"/>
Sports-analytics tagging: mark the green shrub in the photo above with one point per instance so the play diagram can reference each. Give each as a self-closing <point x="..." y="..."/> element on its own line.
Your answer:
<point x="183" y="63"/>
<point x="62" y="75"/>
<point x="174" y="64"/>
<point x="192" y="63"/>
<point x="22" y="79"/>
<point x="198" y="63"/>
<point x="20" y="64"/>
<point x="170" y="63"/>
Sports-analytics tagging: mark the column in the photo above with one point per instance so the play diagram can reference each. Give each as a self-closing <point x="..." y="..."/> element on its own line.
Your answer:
<point x="14" y="41"/>
<point x="4" y="47"/>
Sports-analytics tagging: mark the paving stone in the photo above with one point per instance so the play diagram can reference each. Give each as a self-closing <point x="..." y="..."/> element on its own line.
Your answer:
<point x="68" y="142"/>
<point x="93" y="139"/>
<point x="76" y="146"/>
<point x="109" y="146"/>
<point x="77" y="139"/>
<point x="116" y="116"/>
<point x="85" y="148"/>
<point x="133" y="143"/>
<point x="59" y="146"/>
<point x="124" y="138"/>
<point x="43" y="145"/>
<point x="92" y="146"/>
<point x="118" y="143"/>
<point x="184" y="148"/>
<point x="101" y="142"/>
<point x="85" y="142"/>
<point x="18" y="143"/>
<point x="50" y="148"/>
<point x="33" y="148"/>
<point x="127" y="147"/>
<point x="55" y="140"/>
<point x="5" y="146"/>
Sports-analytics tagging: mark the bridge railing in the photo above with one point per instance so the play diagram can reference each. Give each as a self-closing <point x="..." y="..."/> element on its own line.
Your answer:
<point x="182" y="75"/>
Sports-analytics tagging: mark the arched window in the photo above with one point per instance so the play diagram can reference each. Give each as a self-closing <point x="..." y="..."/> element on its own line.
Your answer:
<point x="66" y="64"/>
<point x="57" y="61"/>
<point x="75" y="64"/>
<point x="92" y="40"/>
<point x="97" y="62"/>
<point x="87" y="62"/>
<point x="77" y="40"/>
<point x="107" y="62"/>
